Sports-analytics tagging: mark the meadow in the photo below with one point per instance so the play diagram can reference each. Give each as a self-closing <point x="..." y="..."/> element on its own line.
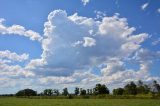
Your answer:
<point x="78" y="102"/>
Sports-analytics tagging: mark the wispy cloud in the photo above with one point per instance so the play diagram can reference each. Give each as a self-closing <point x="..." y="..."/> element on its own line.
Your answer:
<point x="158" y="10"/>
<point x="144" y="6"/>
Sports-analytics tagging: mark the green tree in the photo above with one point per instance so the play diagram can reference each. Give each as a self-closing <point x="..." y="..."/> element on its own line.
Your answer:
<point x="147" y="89"/>
<point x="141" y="88"/>
<point x="101" y="89"/>
<point x="65" y="92"/>
<point x="83" y="92"/>
<point x="155" y="87"/>
<point x="76" y="91"/>
<point x="56" y="92"/>
<point x="48" y="92"/>
<point x="118" y="91"/>
<point x="90" y="91"/>
<point x="131" y="88"/>
<point x="26" y="92"/>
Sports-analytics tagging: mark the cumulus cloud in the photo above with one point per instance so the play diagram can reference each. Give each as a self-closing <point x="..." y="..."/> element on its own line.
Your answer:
<point x="13" y="56"/>
<point x="19" y="30"/>
<point x="11" y="64"/>
<point x="89" y="42"/>
<point x="75" y="43"/>
<point x="144" y="6"/>
<point x="14" y="71"/>
<point x="85" y="2"/>
<point x="74" y="47"/>
<point x="10" y="69"/>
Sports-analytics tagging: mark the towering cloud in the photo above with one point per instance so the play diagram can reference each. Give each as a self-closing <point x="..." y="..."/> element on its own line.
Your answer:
<point x="70" y="47"/>
<point x="79" y="50"/>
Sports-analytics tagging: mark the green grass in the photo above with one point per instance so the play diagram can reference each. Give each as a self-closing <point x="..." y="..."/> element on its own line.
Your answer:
<point x="78" y="102"/>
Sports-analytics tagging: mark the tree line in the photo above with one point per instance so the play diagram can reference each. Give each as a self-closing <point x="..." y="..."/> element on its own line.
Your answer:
<point x="139" y="88"/>
<point x="131" y="88"/>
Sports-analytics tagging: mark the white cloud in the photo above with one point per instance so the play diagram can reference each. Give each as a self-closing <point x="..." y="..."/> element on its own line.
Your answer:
<point x="114" y="26"/>
<point x="85" y="2"/>
<point x="89" y="42"/>
<point x="74" y="45"/>
<point x="77" y="43"/>
<point x="13" y="56"/>
<point x="112" y="66"/>
<point x="158" y="10"/>
<point x="14" y="71"/>
<point x="144" y="6"/>
<point x="2" y="20"/>
<point x="99" y="14"/>
<point x="69" y="46"/>
<point x="19" y="30"/>
<point x="35" y="63"/>
<point x="143" y="55"/>
<point x="156" y="42"/>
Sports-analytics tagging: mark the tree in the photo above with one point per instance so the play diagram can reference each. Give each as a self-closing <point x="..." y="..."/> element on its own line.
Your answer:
<point x="65" y="92"/>
<point x="155" y="87"/>
<point x="118" y="91"/>
<point x="101" y="89"/>
<point x="83" y="92"/>
<point x="147" y="89"/>
<point x="48" y="92"/>
<point x="141" y="88"/>
<point x="90" y="91"/>
<point x="56" y="92"/>
<point x="76" y="91"/>
<point x="26" y="92"/>
<point x="131" y="88"/>
<point x="140" y="83"/>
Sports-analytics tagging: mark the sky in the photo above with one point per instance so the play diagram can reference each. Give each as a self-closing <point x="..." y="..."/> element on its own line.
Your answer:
<point x="78" y="43"/>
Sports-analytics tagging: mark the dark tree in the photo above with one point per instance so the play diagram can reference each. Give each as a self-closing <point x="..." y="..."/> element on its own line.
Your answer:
<point x="56" y="92"/>
<point x="131" y="88"/>
<point x="101" y="89"/>
<point x="76" y="91"/>
<point x="83" y="92"/>
<point x="48" y="92"/>
<point x="147" y="89"/>
<point x="65" y="92"/>
<point x="118" y="91"/>
<point x="141" y="88"/>
<point x="26" y="92"/>
<point x="90" y="91"/>
<point x="140" y="83"/>
<point x="155" y="87"/>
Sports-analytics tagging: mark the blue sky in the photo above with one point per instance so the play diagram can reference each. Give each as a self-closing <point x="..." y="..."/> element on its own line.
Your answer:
<point x="59" y="43"/>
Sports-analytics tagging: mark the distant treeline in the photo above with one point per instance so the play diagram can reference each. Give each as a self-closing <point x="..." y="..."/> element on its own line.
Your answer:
<point x="130" y="90"/>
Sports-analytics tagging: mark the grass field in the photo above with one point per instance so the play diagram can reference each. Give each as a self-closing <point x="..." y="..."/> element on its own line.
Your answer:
<point x="78" y="102"/>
